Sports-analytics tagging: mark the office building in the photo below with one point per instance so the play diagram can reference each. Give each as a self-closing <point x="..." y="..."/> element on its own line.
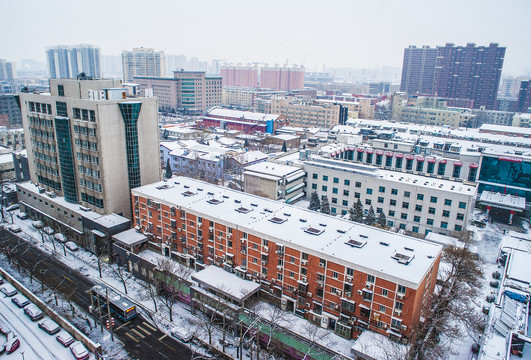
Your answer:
<point x="410" y="202"/>
<point x="67" y="62"/>
<point x="307" y="114"/>
<point x="142" y="62"/>
<point x="469" y="72"/>
<point x="418" y="70"/>
<point x="89" y="144"/>
<point x="188" y="91"/>
<point x="344" y="276"/>
<point x="239" y="76"/>
<point x="282" y="78"/>
<point x="7" y="71"/>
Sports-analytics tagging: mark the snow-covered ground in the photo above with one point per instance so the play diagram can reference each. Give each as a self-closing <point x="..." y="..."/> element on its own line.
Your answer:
<point x="86" y="263"/>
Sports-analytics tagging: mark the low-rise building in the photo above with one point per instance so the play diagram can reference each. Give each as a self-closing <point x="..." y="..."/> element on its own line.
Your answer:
<point x="308" y="113"/>
<point x="275" y="181"/>
<point x="344" y="276"/>
<point x="243" y="121"/>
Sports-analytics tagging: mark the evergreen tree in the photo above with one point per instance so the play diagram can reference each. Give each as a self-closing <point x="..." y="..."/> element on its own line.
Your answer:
<point x="246" y="143"/>
<point x="168" y="169"/>
<point x="382" y="221"/>
<point x="284" y="147"/>
<point x="371" y="217"/>
<point x="356" y="212"/>
<point x="325" y="205"/>
<point x="315" y="204"/>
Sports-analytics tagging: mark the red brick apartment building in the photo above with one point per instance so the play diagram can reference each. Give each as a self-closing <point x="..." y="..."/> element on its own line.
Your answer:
<point x="344" y="276"/>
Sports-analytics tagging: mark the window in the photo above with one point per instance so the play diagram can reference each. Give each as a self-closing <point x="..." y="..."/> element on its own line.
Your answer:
<point x="407" y="194"/>
<point x="60" y="90"/>
<point x="336" y="180"/>
<point x="345" y="192"/>
<point x="347" y="182"/>
<point x="369" y="191"/>
<point x="416" y="218"/>
<point x="379" y="210"/>
<point x="371" y="279"/>
<point x="448" y="202"/>
<point x="314" y="186"/>
<point x="405" y="205"/>
<point x="415" y="229"/>
<point x="402" y="226"/>
<point x="358" y="184"/>
<point x="345" y="202"/>
<point x="441" y="169"/>
<point x="368" y="202"/>
<point x="334" y="190"/>
<point x="384" y="292"/>
<point x="391" y="213"/>
<point x="446" y="213"/>
<point x="420" y="196"/>
<point x="431" y="211"/>
<point x="433" y="199"/>
<point x="325" y="178"/>
<point x="398" y="163"/>
<point x="324" y="188"/>
<point x="398" y="304"/>
<point x="418" y="207"/>
<point x="420" y="165"/>
<point x="457" y="171"/>
<point x="381" y="189"/>
<point x="335" y="275"/>
<point x="403" y="216"/>
<point x="409" y="164"/>
<point x="334" y="200"/>
<point x="394" y="191"/>
<point x="322" y="263"/>
<point x="401" y="289"/>
<point x="462" y="205"/>
<point x="350" y="272"/>
<point x="444" y="225"/>
<point x="429" y="221"/>
<point x="314" y="176"/>
<point x="380" y="200"/>
<point x="460" y="216"/>
<point x="392" y="202"/>
<point x="357" y="195"/>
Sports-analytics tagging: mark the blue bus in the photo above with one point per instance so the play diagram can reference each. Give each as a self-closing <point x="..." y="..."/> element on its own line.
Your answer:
<point x="120" y="306"/>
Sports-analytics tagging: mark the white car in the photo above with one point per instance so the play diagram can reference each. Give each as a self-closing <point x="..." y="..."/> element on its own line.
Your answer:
<point x="12" y="207"/>
<point x="20" y="300"/>
<point x="48" y="230"/>
<point x="72" y="246"/>
<point x="22" y="216"/>
<point x="38" y="224"/>
<point x="64" y="338"/>
<point x="182" y="334"/>
<point x="14" y="228"/>
<point x="60" y="237"/>
<point x="8" y="290"/>
<point x="33" y="312"/>
<point x="79" y="351"/>
<point x="49" y="326"/>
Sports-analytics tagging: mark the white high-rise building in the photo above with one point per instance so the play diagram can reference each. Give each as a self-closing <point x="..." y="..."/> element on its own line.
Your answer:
<point x="67" y="62"/>
<point x="142" y="62"/>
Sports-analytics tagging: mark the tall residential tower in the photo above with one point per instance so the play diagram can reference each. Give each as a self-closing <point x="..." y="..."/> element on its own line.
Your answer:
<point x="142" y="62"/>
<point x="66" y="62"/>
<point x="418" y="70"/>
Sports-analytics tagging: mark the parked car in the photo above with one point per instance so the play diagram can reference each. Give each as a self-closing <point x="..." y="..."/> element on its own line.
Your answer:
<point x="22" y="216"/>
<point x="38" y="224"/>
<point x="14" y="228"/>
<point x="8" y="290"/>
<point x="33" y="312"/>
<point x="12" y="343"/>
<point x="1" y="280"/>
<point x="48" y="230"/>
<point x="60" y="237"/>
<point x="12" y="207"/>
<point x="4" y="329"/>
<point x="182" y="334"/>
<point x="72" y="246"/>
<point x="20" y="300"/>
<point x="64" y="338"/>
<point x="79" y="351"/>
<point x="478" y="223"/>
<point x="49" y="326"/>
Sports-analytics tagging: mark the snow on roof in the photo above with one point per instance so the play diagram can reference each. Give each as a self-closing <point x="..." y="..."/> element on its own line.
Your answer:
<point x="251" y="157"/>
<point x="285" y="137"/>
<point x="256" y="116"/>
<point x="130" y="237"/>
<point x="443" y="240"/>
<point x="110" y="220"/>
<point x="272" y="169"/>
<point x="508" y="201"/>
<point x="6" y="158"/>
<point x="518" y="268"/>
<point x="378" y="347"/>
<point x="170" y="145"/>
<point x="506" y="129"/>
<point x="226" y="282"/>
<point x="372" y="171"/>
<point x="321" y="235"/>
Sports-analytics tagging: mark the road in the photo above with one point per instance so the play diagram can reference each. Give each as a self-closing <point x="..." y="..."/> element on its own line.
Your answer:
<point x="140" y="339"/>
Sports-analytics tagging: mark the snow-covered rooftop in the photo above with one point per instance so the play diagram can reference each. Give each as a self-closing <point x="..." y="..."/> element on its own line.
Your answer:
<point x="506" y="129"/>
<point x="273" y="169"/>
<point x="130" y="237"/>
<point x="226" y="282"/>
<point x="360" y="247"/>
<point x="506" y="201"/>
<point x="256" y="116"/>
<point x="378" y="347"/>
<point x="518" y="268"/>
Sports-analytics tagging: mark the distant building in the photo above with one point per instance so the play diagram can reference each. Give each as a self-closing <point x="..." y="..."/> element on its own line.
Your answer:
<point x="418" y="70"/>
<point x="67" y="62"/>
<point x="239" y="76"/>
<point x="469" y="72"/>
<point x="247" y="98"/>
<point x="7" y="71"/>
<point x="522" y="120"/>
<point x="282" y="78"/>
<point x="306" y="114"/>
<point x="524" y="97"/>
<point x="21" y="165"/>
<point x="89" y="144"/>
<point x="142" y="62"/>
<point x="244" y="121"/>
<point x="275" y="181"/>
<point x="189" y="91"/>
<point x="10" y="115"/>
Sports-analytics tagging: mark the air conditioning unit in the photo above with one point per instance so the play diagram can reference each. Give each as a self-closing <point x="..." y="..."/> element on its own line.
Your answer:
<point x="242" y="240"/>
<point x="273" y="280"/>
<point x="398" y="312"/>
<point x="351" y="322"/>
<point x="368" y="285"/>
<point x="337" y="307"/>
<point x="360" y="292"/>
<point x="199" y="224"/>
<point x="229" y="236"/>
<point x="244" y="252"/>
<point x="338" y="292"/>
<point x="179" y="229"/>
<point x="264" y="262"/>
<point x="309" y="294"/>
<point x="266" y="249"/>
<point x="349" y="279"/>
<point x="404" y="327"/>
<point x="304" y="262"/>
<point x="211" y="229"/>
<point x="279" y="267"/>
<point x="400" y="296"/>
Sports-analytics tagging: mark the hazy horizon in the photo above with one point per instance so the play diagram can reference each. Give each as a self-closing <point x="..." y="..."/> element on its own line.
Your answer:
<point x="338" y="34"/>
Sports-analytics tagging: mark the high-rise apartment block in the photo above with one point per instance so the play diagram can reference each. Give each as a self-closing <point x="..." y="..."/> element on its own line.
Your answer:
<point x="461" y="72"/>
<point x="241" y="76"/>
<point x="7" y="71"/>
<point x="341" y="275"/>
<point x="89" y="143"/>
<point x="418" y="70"/>
<point x="66" y="62"/>
<point x="190" y="91"/>
<point x="524" y="97"/>
<point x="282" y="78"/>
<point x="142" y="62"/>
<point x="469" y="72"/>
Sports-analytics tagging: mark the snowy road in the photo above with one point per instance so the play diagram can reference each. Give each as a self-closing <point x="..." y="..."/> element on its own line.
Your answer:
<point x="34" y="342"/>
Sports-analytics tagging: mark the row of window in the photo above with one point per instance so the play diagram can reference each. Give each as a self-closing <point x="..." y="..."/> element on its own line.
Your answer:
<point x="82" y="130"/>
<point x="47" y="169"/>
<point x="37" y="121"/>
<point x="43" y="146"/>
<point x="42" y="134"/>
<point x="86" y="144"/>
<point x="96" y="174"/>
<point x="40" y="108"/>
<point x="90" y="159"/>
<point x="84" y="114"/>
<point x="44" y="157"/>
<point x="90" y="185"/>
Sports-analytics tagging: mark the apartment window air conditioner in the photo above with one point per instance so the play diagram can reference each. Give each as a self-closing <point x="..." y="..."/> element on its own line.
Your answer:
<point x="404" y="327"/>
<point x="304" y="262"/>
<point x="338" y="292"/>
<point x="368" y="285"/>
<point x="398" y="312"/>
<point x="266" y="249"/>
<point x="400" y="296"/>
<point x="309" y="294"/>
<point x="279" y="268"/>
<point x="304" y="279"/>
<point x="360" y="292"/>
<point x="349" y="279"/>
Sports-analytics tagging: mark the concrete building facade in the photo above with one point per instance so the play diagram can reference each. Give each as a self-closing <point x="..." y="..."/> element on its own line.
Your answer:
<point x="343" y="276"/>
<point x="309" y="114"/>
<point x="90" y="144"/>
<point x="142" y="62"/>
<point x="275" y="181"/>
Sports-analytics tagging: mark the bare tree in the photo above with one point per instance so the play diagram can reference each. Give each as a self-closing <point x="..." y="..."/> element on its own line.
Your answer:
<point x="179" y="274"/>
<point x="315" y="335"/>
<point x="122" y="274"/>
<point x="151" y="291"/>
<point x="276" y="319"/>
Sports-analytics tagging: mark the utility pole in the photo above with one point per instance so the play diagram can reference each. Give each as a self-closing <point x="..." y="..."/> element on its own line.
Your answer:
<point x="111" y="321"/>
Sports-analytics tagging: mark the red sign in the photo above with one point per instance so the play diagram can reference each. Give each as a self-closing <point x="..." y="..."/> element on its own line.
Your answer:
<point x="510" y="158"/>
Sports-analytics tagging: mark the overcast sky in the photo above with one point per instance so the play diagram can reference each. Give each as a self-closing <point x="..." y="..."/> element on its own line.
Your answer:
<point x="356" y="34"/>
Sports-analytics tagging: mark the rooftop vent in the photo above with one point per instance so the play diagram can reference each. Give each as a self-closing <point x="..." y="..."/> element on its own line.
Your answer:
<point x="214" y="201"/>
<point x="313" y="231"/>
<point x="287" y="214"/>
<point x="237" y="201"/>
<point x="188" y="193"/>
<point x="277" y="220"/>
<point x="356" y="243"/>
<point x="253" y="204"/>
<point x="341" y="231"/>
<point x="402" y="259"/>
<point x="243" y="210"/>
<point x="225" y="196"/>
<point x="302" y="220"/>
<point x="384" y="243"/>
<point x="210" y="193"/>
<point x="364" y="236"/>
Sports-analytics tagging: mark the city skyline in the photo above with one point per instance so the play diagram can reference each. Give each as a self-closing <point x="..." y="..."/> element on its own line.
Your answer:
<point x="366" y="36"/>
